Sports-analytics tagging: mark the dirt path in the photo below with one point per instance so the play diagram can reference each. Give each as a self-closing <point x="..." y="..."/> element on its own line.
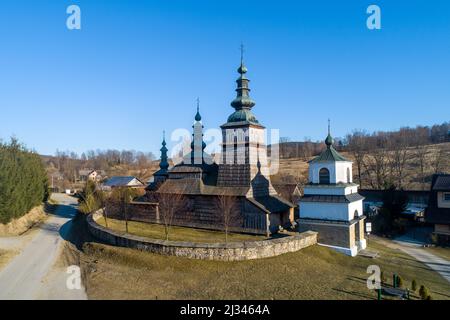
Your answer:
<point x="35" y="273"/>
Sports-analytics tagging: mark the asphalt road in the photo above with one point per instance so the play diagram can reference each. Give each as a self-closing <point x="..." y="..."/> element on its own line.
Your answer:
<point x="34" y="274"/>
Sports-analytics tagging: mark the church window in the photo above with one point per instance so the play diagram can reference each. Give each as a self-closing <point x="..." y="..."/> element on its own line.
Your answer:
<point x="348" y="175"/>
<point x="356" y="214"/>
<point x="324" y="176"/>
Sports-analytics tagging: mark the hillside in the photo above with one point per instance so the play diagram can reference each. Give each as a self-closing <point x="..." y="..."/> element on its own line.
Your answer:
<point x="383" y="165"/>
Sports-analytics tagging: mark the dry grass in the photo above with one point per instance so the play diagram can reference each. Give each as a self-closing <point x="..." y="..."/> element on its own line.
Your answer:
<point x="21" y="225"/>
<point x="312" y="273"/>
<point x="6" y="256"/>
<point x="156" y="231"/>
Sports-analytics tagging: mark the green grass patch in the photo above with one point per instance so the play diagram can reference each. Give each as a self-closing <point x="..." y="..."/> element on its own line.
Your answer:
<point x="156" y="231"/>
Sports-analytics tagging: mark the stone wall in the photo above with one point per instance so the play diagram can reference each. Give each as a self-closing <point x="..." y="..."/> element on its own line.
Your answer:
<point x="204" y="251"/>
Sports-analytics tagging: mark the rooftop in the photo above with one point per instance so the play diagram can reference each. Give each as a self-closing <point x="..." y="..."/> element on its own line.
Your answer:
<point x="122" y="181"/>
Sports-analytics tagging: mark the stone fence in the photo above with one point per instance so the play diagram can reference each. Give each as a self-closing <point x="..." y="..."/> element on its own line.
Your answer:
<point x="233" y="251"/>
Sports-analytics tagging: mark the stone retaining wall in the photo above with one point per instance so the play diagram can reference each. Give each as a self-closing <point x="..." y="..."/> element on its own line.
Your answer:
<point x="205" y="251"/>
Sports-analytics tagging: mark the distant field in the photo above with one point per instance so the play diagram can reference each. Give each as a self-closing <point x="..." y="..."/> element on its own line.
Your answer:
<point x="312" y="273"/>
<point x="156" y="231"/>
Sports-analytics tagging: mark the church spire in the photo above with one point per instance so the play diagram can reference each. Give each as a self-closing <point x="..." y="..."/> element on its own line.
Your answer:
<point x="164" y="163"/>
<point x="243" y="100"/>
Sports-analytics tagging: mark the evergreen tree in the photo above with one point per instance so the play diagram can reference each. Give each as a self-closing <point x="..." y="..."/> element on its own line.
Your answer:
<point x="23" y="181"/>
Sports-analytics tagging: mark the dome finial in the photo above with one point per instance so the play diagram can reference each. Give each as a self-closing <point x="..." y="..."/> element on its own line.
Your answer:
<point x="329" y="140"/>
<point x="242" y="69"/>
<point x="198" y="117"/>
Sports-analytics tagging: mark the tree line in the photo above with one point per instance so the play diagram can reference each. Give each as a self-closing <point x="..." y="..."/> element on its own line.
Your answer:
<point x="420" y="135"/>
<point x="23" y="180"/>
<point x="386" y="158"/>
<point x="69" y="163"/>
<point x="382" y="159"/>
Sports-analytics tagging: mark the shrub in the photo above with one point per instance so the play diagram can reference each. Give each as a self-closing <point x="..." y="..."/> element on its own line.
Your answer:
<point x="399" y="282"/>
<point x="383" y="277"/>
<point x="414" y="285"/>
<point x="23" y="181"/>
<point x="423" y="292"/>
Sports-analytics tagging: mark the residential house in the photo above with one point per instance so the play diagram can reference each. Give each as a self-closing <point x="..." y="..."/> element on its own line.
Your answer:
<point x="438" y="211"/>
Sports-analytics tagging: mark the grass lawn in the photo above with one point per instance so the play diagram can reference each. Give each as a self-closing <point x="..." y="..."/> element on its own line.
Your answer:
<point x="156" y="231"/>
<point x="312" y="273"/>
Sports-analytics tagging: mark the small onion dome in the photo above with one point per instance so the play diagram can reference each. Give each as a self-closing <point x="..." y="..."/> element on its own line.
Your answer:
<point x="329" y="140"/>
<point x="242" y="69"/>
<point x="198" y="117"/>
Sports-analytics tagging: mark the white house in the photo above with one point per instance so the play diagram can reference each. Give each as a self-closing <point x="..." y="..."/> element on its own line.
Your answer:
<point x="331" y="204"/>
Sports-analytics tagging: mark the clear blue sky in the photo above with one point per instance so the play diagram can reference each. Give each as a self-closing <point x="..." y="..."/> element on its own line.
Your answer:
<point x="137" y="67"/>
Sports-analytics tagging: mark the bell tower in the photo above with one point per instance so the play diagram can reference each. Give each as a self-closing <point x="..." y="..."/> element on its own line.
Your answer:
<point x="244" y="152"/>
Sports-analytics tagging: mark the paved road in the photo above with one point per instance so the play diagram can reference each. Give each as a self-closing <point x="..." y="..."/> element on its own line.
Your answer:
<point x="436" y="263"/>
<point x="416" y="250"/>
<point x="34" y="273"/>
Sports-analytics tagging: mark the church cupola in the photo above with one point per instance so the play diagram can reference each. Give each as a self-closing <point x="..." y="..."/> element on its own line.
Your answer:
<point x="164" y="163"/>
<point x="161" y="175"/>
<point x="330" y="167"/>
<point x="242" y="103"/>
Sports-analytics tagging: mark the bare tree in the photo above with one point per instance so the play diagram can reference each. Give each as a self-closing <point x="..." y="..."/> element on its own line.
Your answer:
<point x="123" y="197"/>
<point x="420" y="153"/>
<point x="169" y="204"/>
<point x="358" y="147"/>
<point x="376" y="168"/>
<point x="440" y="159"/>
<point x="397" y="156"/>
<point x="228" y="212"/>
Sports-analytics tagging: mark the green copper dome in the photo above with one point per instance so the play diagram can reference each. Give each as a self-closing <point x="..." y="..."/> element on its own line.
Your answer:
<point x="330" y="154"/>
<point x="242" y="115"/>
<point x="329" y="140"/>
